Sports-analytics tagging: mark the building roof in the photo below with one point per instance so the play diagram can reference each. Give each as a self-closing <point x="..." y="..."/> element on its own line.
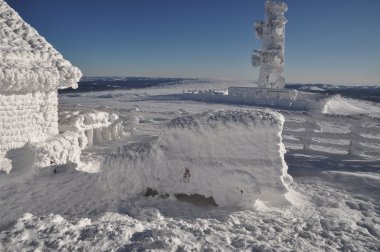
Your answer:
<point x="28" y="63"/>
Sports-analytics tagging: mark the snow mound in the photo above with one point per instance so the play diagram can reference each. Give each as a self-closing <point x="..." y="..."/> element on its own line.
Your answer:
<point x="28" y="62"/>
<point x="338" y="105"/>
<point x="235" y="157"/>
<point x="60" y="150"/>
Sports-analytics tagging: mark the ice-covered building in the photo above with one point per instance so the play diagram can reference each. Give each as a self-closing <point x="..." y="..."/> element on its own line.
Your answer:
<point x="31" y="72"/>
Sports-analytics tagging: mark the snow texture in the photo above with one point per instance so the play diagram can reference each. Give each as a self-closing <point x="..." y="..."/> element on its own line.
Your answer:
<point x="70" y="210"/>
<point x="28" y="63"/>
<point x="60" y="150"/>
<point x="24" y="118"/>
<point x="338" y="105"/>
<point x="235" y="157"/>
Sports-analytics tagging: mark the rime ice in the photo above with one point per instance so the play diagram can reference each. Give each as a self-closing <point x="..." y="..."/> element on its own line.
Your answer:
<point x="31" y="72"/>
<point x="271" y="57"/>
<point x="236" y="157"/>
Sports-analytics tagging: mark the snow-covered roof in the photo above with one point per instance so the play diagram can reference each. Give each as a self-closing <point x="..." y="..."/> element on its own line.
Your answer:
<point x="27" y="61"/>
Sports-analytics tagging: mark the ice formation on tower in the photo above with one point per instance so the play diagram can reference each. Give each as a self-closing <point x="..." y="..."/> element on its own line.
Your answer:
<point x="271" y="57"/>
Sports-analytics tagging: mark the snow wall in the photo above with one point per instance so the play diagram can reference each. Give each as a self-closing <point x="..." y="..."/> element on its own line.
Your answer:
<point x="236" y="157"/>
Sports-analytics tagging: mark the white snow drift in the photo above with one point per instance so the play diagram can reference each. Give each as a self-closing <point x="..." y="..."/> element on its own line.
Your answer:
<point x="235" y="157"/>
<point x="338" y="105"/>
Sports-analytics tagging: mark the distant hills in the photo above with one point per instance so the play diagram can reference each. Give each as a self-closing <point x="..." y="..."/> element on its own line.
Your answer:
<point x="369" y="93"/>
<point x="93" y="84"/>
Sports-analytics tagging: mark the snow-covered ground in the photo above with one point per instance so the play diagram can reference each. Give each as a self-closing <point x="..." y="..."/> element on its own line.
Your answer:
<point x="336" y="197"/>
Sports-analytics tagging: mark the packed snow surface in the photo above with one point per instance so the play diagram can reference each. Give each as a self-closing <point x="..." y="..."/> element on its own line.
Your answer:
<point x="337" y="206"/>
<point x="28" y="62"/>
<point x="233" y="156"/>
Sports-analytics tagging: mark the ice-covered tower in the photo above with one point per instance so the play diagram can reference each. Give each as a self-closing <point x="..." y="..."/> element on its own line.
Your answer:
<point x="271" y="57"/>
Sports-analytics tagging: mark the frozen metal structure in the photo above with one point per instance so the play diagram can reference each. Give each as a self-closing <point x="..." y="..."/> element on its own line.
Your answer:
<point x="270" y="91"/>
<point x="271" y="57"/>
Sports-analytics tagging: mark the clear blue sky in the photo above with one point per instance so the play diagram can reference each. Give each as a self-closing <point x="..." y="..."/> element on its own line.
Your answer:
<point x="328" y="41"/>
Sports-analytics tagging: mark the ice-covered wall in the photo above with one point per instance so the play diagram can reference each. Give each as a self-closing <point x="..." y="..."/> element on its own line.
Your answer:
<point x="28" y="62"/>
<point x="31" y="72"/>
<point x="236" y="157"/>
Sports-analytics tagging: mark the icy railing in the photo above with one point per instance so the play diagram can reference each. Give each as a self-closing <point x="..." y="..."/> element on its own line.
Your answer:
<point x="96" y="126"/>
<point x="353" y="135"/>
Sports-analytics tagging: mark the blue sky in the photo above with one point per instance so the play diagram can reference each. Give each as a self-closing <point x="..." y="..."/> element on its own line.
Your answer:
<point x="327" y="41"/>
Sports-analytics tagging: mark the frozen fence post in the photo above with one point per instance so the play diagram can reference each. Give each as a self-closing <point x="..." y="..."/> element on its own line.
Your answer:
<point x="354" y="135"/>
<point x="307" y="137"/>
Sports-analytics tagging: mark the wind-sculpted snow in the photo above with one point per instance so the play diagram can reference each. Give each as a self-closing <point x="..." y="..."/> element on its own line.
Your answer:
<point x="60" y="150"/>
<point x="331" y="219"/>
<point x="338" y="105"/>
<point x="28" y="62"/>
<point x="235" y="157"/>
